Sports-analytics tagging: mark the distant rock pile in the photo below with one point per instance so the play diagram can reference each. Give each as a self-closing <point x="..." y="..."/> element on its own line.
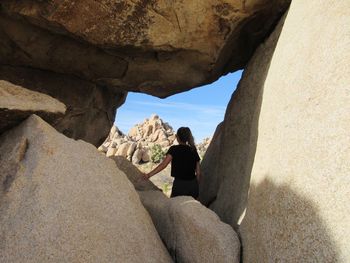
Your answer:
<point x="136" y="146"/>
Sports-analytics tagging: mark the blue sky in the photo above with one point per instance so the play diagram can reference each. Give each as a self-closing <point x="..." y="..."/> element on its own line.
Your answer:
<point x="201" y="109"/>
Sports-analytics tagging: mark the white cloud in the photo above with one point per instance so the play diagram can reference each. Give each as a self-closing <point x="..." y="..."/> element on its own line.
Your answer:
<point x="205" y="109"/>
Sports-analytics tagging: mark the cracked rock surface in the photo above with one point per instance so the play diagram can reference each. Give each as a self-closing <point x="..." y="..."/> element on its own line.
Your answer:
<point x="95" y="52"/>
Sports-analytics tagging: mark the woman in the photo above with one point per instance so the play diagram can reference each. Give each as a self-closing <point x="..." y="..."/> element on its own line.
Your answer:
<point x="184" y="165"/>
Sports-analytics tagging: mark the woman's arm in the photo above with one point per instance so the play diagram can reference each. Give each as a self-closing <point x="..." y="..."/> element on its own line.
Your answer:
<point x="198" y="171"/>
<point x="160" y="167"/>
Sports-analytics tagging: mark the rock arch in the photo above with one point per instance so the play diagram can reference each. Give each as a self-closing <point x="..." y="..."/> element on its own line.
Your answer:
<point x="156" y="47"/>
<point x="296" y="150"/>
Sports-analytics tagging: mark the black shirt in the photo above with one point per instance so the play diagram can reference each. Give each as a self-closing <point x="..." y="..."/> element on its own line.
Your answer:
<point x="184" y="160"/>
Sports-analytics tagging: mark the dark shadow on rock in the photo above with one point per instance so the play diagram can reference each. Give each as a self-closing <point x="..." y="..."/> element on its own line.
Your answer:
<point x="230" y="163"/>
<point x="209" y="185"/>
<point x="90" y="108"/>
<point x="282" y="225"/>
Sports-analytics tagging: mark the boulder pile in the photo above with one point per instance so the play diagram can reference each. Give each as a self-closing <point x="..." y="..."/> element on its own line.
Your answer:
<point x="137" y="145"/>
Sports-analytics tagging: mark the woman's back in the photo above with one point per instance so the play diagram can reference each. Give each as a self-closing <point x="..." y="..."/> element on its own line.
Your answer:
<point x="184" y="160"/>
<point x="184" y="165"/>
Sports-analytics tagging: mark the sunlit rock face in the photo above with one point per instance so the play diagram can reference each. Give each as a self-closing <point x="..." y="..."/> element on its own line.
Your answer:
<point x="285" y="140"/>
<point x="157" y="47"/>
<point x="62" y="201"/>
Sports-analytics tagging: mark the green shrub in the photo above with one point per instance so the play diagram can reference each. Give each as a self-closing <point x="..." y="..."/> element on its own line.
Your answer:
<point x="166" y="188"/>
<point x="157" y="154"/>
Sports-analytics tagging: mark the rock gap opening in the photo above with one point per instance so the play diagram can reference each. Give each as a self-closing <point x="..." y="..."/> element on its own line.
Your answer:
<point x="145" y="125"/>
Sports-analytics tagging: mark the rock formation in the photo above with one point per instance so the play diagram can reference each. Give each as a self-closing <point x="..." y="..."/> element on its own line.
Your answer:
<point x="17" y="103"/>
<point x="285" y="138"/>
<point x="191" y="232"/>
<point x="62" y="201"/>
<point x="90" y="108"/>
<point x="88" y="54"/>
<point x="176" y="45"/>
<point x="133" y="174"/>
<point x="211" y="173"/>
<point x="137" y="145"/>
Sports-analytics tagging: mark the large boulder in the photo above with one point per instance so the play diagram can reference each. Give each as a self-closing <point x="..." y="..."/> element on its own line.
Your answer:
<point x="90" y="108"/>
<point x="287" y="140"/>
<point x="133" y="174"/>
<point x="88" y="53"/>
<point x="227" y="165"/>
<point x="191" y="232"/>
<point x="62" y="201"/>
<point x="210" y="177"/>
<point x="17" y="103"/>
<point x="158" y="47"/>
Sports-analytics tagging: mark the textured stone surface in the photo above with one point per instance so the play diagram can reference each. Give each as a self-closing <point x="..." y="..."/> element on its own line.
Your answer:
<point x="137" y="145"/>
<point x="210" y="177"/>
<point x="133" y="174"/>
<point x="227" y="167"/>
<point x="88" y="53"/>
<point x="191" y="232"/>
<point x="90" y="108"/>
<point x="62" y="201"/>
<point x="17" y="103"/>
<point x="177" y="45"/>
<point x="295" y="141"/>
<point x="303" y="148"/>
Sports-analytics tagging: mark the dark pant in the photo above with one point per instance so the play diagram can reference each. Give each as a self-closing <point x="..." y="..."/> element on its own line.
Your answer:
<point x="185" y="187"/>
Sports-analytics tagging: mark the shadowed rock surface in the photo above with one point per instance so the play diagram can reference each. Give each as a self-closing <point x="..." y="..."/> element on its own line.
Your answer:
<point x="17" y="103"/>
<point x="228" y="164"/>
<point x="62" y="201"/>
<point x="90" y="108"/>
<point x="88" y="54"/>
<point x="176" y="45"/>
<point x="211" y="179"/>
<point x="285" y="139"/>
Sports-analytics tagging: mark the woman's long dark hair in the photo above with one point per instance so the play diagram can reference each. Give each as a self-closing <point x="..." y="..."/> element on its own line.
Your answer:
<point x="184" y="134"/>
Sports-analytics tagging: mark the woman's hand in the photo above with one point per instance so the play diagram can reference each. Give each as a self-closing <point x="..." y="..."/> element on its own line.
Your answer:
<point x="159" y="168"/>
<point x="145" y="176"/>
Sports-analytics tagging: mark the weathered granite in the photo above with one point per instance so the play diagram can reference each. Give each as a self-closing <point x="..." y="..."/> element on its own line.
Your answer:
<point x="17" y="103"/>
<point x="90" y="108"/>
<point x="210" y="178"/>
<point x="233" y="149"/>
<point x="154" y="46"/>
<point x="289" y="142"/>
<point x="62" y="201"/>
<point x="191" y="232"/>
<point x="133" y="174"/>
